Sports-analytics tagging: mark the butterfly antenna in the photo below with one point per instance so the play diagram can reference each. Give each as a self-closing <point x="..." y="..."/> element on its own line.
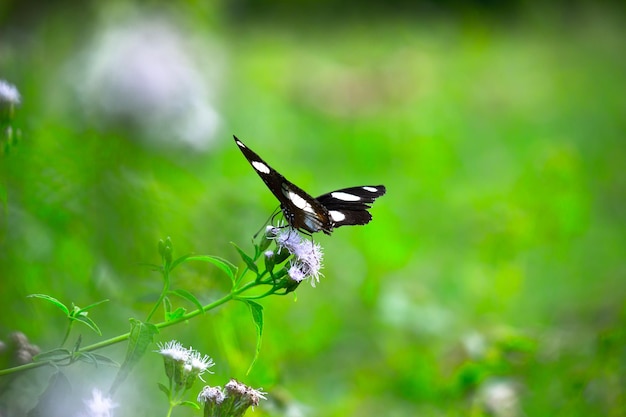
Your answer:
<point x="269" y="219"/>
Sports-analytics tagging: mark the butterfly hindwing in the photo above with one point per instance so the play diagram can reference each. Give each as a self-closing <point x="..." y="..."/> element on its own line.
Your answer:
<point x="347" y="206"/>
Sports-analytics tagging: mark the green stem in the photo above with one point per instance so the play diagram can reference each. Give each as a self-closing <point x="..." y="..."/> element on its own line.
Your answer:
<point x="67" y="331"/>
<point x="122" y="337"/>
<point x="166" y="287"/>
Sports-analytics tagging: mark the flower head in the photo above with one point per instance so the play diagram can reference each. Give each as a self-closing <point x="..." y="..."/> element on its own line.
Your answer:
<point x="9" y="93"/>
<point x="173" y="350"/>
<point x="307" y="261"/>
<point x="183" y="365"/>
<point x="99" y="405"/>
<point x="199" y="364"/>
<point x="232" y="401"/>
<point x="213" y="395"/>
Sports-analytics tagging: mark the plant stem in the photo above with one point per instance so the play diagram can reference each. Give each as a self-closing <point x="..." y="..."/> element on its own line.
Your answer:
<point x="166" y="287"/>
<point x="122" y="337"/>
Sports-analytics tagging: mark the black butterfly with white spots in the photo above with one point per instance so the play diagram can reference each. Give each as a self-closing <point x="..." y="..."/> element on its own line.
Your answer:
<point x="344" y="207"/>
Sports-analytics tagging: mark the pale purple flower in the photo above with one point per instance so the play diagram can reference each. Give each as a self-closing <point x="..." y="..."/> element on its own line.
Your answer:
<point x="307" y="261"/>
<point x="289" y="239"/>
<point x="296" y="273"/>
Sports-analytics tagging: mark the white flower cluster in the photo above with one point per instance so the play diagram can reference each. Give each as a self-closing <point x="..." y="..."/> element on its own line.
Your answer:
<point x="9" y="93"/>
<point x="183" y="364"/>
<point x="307" y="260"/>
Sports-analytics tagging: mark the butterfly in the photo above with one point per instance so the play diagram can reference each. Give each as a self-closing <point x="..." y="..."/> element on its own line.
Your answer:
<point x="344" y="207"/>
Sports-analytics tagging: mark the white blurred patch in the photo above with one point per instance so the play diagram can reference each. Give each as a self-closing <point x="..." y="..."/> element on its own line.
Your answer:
<point x="475" y="345"/>
<point x="403" y="307"/>
<point x="151" y="77"/>
<point x="500" y="398"/>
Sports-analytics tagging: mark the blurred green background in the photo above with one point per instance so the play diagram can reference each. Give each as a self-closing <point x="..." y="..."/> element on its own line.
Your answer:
<point x="492" y="278"/>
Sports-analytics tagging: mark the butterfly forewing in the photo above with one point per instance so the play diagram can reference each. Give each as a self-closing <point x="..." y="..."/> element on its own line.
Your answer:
<point x="347" y="206"/>
<point x="300" y="209"/>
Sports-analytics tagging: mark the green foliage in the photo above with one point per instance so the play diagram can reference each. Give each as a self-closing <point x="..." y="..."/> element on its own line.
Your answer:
<point x="256" y="310"/>
<point x="500" y="142"/>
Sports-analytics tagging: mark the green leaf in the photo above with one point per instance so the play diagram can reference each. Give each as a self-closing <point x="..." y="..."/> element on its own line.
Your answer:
<point x="222" y="264"/>
<point x="167" y="305"/>
<point x="165" y="389"/>
<point x="97" y="303"/>
<point x="178" y="313"/>
<point x="52" y="300"/>
<point x="248" y="260"/>
<point x="179" y="261"/>
<point x="190" y="404"/>
<point x="82" y="318"/>
<point x="188" y="296"/>
<point x="141" y="337"/>
<point x="104" y="360"/>
<point x="54" y="355"/>
<point x="95" y="359"/>
<point x="86" y="357"/>
<point x="257" y="316"/>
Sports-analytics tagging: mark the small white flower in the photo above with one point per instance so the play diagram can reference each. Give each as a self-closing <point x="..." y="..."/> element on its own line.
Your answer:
<point x="9" y="93"/>
<point x="99" y="405"/>
<point x="199" y="364"/>
<point x="213" y="395"/>
<point x="174" y="350"/>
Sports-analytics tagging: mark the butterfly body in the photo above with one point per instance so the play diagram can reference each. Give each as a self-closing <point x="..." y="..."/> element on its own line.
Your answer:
<point x="347" y="206"/>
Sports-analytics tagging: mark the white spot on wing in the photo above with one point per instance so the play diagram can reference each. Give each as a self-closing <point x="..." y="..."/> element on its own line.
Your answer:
<point x="240" y="143"/>
<point x="345" y="196"/>
<point x="371" y="189"/>
<point x="337" y="216"/>
<point x="260" y="166"/>
<point x="298" y="201"/>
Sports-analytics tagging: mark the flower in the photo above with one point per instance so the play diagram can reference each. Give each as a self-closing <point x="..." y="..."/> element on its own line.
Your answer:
<point x="233" y="400"/>
<point x="174" y="350"/>
<point x="199" y="364"/>
<point x="307" y="261"/>
<point x="244" y="396"/>
<point x="295" y="273"/>
<point x="213" y="395"/>
<point x="9" y="93"/>
<point x="99" y="405"/>
<point x="183" y="365"/>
